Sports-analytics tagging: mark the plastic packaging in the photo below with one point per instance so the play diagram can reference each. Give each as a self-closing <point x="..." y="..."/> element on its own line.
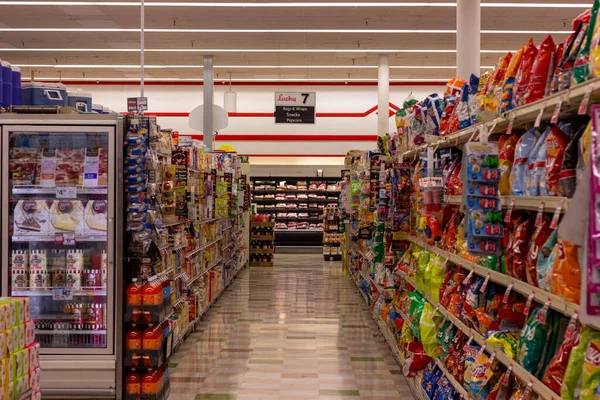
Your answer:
<point x="541" y="72"/>
<point x="524" y="149"/>
<point x="524" y="73"/>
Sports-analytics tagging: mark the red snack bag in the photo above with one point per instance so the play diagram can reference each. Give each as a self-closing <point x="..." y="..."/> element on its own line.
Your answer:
<point x="416" y="359"/>
<point x="555" y="371"/>
<point x="455" y="185"/>
<point x="556" y="143"/>
<point x="524" y="73"/>
<point x="513" y="311"/>
<point x="449" y="234"/>
<point x="566" y="271"/>
<point x="486" y="321"/>
<point x="516" y="255"/>
<point x="541" y="72"/>
<point x="540" y="236"/>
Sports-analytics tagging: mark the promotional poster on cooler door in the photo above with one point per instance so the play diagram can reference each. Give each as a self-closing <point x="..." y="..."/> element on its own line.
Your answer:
<point x="295" y="108"/>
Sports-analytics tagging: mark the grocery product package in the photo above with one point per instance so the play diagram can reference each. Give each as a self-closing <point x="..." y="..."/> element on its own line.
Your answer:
<point x="567" y="180"/>
<point x="428" y="328"/>
<point x="535" y="163"/>
<point x="563" y="73"/>
<point x="495" y="84"/>
<point x="556" y="145"/>
<point x="555" y="372"/>
<point x="590" y="379"/>
<point x="581" y="68"/>
<point x="524" y="73"/>
<point x="541" y="71"/>
<point x="545" y="262"/>
<point x="507" y="93"/>
<point x="539" y="238"/>
<point x="535" y="340"/>
<point x="482" y="89"/>
<point x="506" y="160"/>
<point x="477" y="366"/>
<point x="464" y="118"/>
<point x="524" y="149"/>
<point x="571" y="382"/>
<point x="566" y="271"/>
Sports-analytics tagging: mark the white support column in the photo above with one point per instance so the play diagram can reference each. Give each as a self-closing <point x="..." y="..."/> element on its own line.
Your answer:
<point x="468" y="38"/>
<point x="142" y="45"/>
<point x="383" y="98"/>
<point x="208" y="89"/>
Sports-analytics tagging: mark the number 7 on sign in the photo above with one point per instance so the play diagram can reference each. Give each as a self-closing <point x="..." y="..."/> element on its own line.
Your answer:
<point x="305" y="95"/>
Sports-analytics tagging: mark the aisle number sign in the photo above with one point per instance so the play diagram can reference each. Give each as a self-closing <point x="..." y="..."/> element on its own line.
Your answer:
<point x="295" y="108"/>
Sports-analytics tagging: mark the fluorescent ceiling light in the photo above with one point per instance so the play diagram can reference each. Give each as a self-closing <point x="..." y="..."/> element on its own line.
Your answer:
<point x="237" y="80"/>
<point x="101" y="66"/>
<point x="280" y="4"/>
<point x="214" y="51"/>
<point x="192" y="30"/>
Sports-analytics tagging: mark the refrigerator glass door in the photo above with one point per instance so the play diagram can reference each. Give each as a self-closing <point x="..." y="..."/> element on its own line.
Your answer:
<point x="58" y="205"/>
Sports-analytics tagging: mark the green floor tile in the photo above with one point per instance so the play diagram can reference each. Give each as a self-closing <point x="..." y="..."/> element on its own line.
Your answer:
<point x="266" y="361"/>
<point x="367" y="359"/>
<point x="215" y="396"/>
<point x="173" y="365"/>
<point x="333" y="392"/>
<point x="210" y="340"/>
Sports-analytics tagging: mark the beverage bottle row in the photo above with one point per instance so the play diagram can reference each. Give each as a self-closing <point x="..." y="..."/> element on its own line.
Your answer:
<point x="261" y="244"/>
<point x="86" y="313"/>
<point x="152" y="382"/>
<point x="262" y="231"/>
<point x="140" y="344"/>
<point x="155" y="292"/>
<point x="51" y="339"/>
<point x="261" y="257"/>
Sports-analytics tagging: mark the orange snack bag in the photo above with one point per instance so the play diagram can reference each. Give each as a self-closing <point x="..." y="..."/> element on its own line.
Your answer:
<point x="566" y="271"/>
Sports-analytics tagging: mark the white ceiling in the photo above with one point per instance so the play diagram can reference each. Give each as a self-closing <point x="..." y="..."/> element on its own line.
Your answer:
<point x="22" y="47"/>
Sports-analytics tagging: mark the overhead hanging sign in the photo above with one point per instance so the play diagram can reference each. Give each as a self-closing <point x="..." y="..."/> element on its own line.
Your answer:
<point x="137" y="104"/>
<point x="295" y="108"/>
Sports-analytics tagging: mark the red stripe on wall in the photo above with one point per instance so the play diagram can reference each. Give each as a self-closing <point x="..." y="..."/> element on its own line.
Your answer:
<point x="246" y="83"/>
<point x="287" y="138"/>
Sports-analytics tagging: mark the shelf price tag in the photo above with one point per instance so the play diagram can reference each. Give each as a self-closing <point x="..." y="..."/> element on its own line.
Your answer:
<point x="484" y="284"/>
<point x="508" y="214"/>
<point x="540" y="213"/>
<point x="69" y="238"/>
<point x="538" y="120"/>
<point x="507" y="293"/>
<point x="506" y="379"/>
<point x="583" y="106"/>
<point x="468" y="342"/>
<point x="62" y="294"/>
<point x="370" y="255"/>
<point x="513" y="115"/>
<point x="468" y="278"/>
<point x="554" y="119"/>
<point x="544" y="312"/>
<point x="66" y="192"/>
<point x="556" y="215"/>
<point x="528" y="303"/>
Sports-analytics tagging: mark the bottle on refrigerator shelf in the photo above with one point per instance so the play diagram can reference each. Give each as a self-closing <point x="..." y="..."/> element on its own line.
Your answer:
<point x="152" y="293"/>
<point x="134" y="293"/>
<point x="133" y="383"/>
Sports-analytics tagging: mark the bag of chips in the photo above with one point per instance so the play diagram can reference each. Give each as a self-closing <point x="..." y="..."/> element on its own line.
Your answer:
<point x="566" y="271"/>
<point x="591" y="367"/>
<point x="543" y="66"/>
<point x="571" y="381"/>
<point x="567" y="179"/>
<point x="524" y="73"/>
<point x="516" y="255"/>
<point x="540" y="236"/>
<point x="508" y="89"/>
<point x="555" y="372"/>
<point x="581" y="69"/>
<point x="495" y="84"/>
<point x="524" y="149"/>
<point x="535" y="166"/>
<point x="507" y="340"/>
<point x="435" y="276"/>
<point x="428" y="329"/>
<point x="563" y="73"/>
<point x="556" y="144"/>
<point x="474" y="377"/>
<point x="416" y="359"/>
<point x="482" y="89"/>
<point x="534" y="340"/>
<point x="545" y="261"/>
<point x="506" y="159"/>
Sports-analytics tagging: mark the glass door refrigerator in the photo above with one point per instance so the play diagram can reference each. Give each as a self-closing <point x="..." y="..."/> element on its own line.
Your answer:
<point x="61" y="243"/>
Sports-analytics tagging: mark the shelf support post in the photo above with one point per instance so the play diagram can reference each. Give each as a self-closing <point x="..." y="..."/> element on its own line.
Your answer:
<point x="468" y="38"/>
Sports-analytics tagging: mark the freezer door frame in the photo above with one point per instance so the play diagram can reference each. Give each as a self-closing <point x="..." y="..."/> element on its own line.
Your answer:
<point x="110" y="127"/>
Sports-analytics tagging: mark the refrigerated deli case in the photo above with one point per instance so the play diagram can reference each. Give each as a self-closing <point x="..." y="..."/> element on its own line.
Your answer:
<point x="60" y="243"/>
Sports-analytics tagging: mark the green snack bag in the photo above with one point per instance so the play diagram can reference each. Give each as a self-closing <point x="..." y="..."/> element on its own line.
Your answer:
<point x="437" y="269"/>
<point x="591" y="367"/>
<point x="534" y="341"/>
<point x="416" y="309"/>
<point x="424" y="257"/>
<point x="581" y="69"/>
<point x="428" y="328"/>
<point x="571" y="384"/>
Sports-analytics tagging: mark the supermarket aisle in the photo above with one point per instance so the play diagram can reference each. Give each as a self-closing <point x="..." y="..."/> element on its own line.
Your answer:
<point x="298" y="331"/>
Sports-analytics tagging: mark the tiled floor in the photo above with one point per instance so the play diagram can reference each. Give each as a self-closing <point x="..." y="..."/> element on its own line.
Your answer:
<point x="298" y="331"/>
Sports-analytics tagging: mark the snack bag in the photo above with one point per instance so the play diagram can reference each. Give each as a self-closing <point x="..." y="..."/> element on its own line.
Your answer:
<point x="495" y="84"/>
<point x="431" y="377"/>
<point x="507" y="340"/>
<point x="591" y="367"/>
<point x="543" y="66"/>
<point x="566" y="271"/>
<point x="428" y="328"/>
<point x="506" y="159"/>
<point x="536" y="158"/>
<point x="524" y="73"/>
<point x="574" y="371"/>
<point x="581" y="68"/>
<point x="534" y="340"/>
<point x="435" y="277"/>
<point x="545" y="261"/>
<point x="540" y="236"/>
<point x="464" y="118"/>
<point x="567" y="179"/>
<point x="482" y="89"/>
<point x="555" y="372"/>
<point x="524" y="149"/>
<point x="556" y="145"/>
<point x="508" y="89"/>
<point x="564" y="70"/>
<point x="516" y="256"/>
<point x="424" y="257"/>
<point x="477" y="364"/>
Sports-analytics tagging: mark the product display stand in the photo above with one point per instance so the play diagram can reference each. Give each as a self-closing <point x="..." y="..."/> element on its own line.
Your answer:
<point x="186" y="220"/>
<point x="332" y="234"/>
<point x="460" y="248"/>
<point x="297" y="206"/>
<point x="262" y="244"/>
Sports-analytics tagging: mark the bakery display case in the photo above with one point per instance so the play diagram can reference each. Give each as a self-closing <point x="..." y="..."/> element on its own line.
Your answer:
<point x="60" y="198"/>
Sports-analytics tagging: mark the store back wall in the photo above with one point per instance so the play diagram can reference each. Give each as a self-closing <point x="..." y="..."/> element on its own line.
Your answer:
<point x="256" y="135"/>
